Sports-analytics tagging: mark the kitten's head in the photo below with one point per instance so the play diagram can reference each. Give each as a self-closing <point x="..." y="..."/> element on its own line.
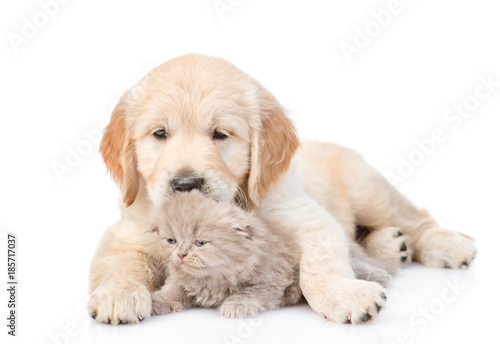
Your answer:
<point x="201" y="236"/>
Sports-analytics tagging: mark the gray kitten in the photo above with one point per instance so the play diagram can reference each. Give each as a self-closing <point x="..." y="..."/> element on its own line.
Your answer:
<point x="219" y="255"/>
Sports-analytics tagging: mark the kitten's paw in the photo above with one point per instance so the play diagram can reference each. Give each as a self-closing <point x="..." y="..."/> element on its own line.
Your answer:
<point x="345" y="301"/>
<point x="369" y="272"/>
<point x="120" y="302"/>
<point x="238" y="306"/>
<point x="443" y="248"/>
<point x="163" y="306"/>
<point x="388" y="244"/>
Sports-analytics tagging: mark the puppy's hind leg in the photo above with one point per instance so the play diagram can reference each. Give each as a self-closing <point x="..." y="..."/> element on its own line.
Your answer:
<point x="388" y="244"/>
<point x="398" y="229"/>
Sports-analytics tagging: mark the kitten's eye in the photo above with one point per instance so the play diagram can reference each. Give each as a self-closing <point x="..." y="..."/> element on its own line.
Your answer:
<point x="200" y="243"/>
<point x="219" y="135"/>
<point x="160" y="134"/>
<point x="172" y="241"/>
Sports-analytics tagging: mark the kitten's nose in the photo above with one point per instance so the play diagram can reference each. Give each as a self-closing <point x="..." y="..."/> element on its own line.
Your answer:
<point x="186" y="183"/>
<point x="181" y="256"/>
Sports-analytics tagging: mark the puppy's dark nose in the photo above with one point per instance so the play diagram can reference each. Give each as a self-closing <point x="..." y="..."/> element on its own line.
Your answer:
<point x="183" y="183"/>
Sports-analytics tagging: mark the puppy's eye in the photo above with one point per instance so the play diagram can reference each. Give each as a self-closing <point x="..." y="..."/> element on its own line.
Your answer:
<point x="172" y="241"/>
<point x="160" y="134"/>
<point x="200" y="243"/>
<point x="218" y="135"/>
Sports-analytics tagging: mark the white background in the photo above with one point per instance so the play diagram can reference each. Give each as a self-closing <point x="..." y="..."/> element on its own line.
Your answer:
<point x="64" y="81"/>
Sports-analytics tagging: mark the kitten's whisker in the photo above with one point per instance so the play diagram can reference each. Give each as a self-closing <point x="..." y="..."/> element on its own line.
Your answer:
<point x="241" y="199"/>
<point x="198" y="263"/>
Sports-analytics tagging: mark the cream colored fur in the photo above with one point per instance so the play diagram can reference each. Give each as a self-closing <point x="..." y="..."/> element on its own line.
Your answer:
<point x="319" y="197"/>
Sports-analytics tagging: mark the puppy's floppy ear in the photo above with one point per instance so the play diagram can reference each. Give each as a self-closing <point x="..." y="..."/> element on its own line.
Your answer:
<point x="117" y="149"/>
<point x="272" y="147"/>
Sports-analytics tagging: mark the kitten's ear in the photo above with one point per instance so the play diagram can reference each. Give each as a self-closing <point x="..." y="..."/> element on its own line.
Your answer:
<point x="244" y="230"/>
<point x="153" y="230"/>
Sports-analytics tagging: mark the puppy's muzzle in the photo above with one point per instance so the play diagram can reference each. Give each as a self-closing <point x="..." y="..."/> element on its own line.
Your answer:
<point x="186" y="183"/>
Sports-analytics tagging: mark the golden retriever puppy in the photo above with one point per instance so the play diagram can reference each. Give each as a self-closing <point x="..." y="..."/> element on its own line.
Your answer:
<point x="198" y="122"/>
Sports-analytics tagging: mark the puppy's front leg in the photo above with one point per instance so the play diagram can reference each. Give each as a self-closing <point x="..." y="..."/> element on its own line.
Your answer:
<point x="326" y="277"/>
<point x="123" y="275"/>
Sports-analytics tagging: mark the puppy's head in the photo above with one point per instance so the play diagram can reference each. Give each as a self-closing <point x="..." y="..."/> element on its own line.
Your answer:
<point x="198" y="122"/>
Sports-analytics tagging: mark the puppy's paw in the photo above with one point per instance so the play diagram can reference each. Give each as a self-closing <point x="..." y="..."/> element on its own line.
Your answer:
<point x="442" y="248"/>
<point x="388" y="244"/>
<point x="120" y="302"/>
<point x="237" y="306"/>
<point x="346" y="301"/>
